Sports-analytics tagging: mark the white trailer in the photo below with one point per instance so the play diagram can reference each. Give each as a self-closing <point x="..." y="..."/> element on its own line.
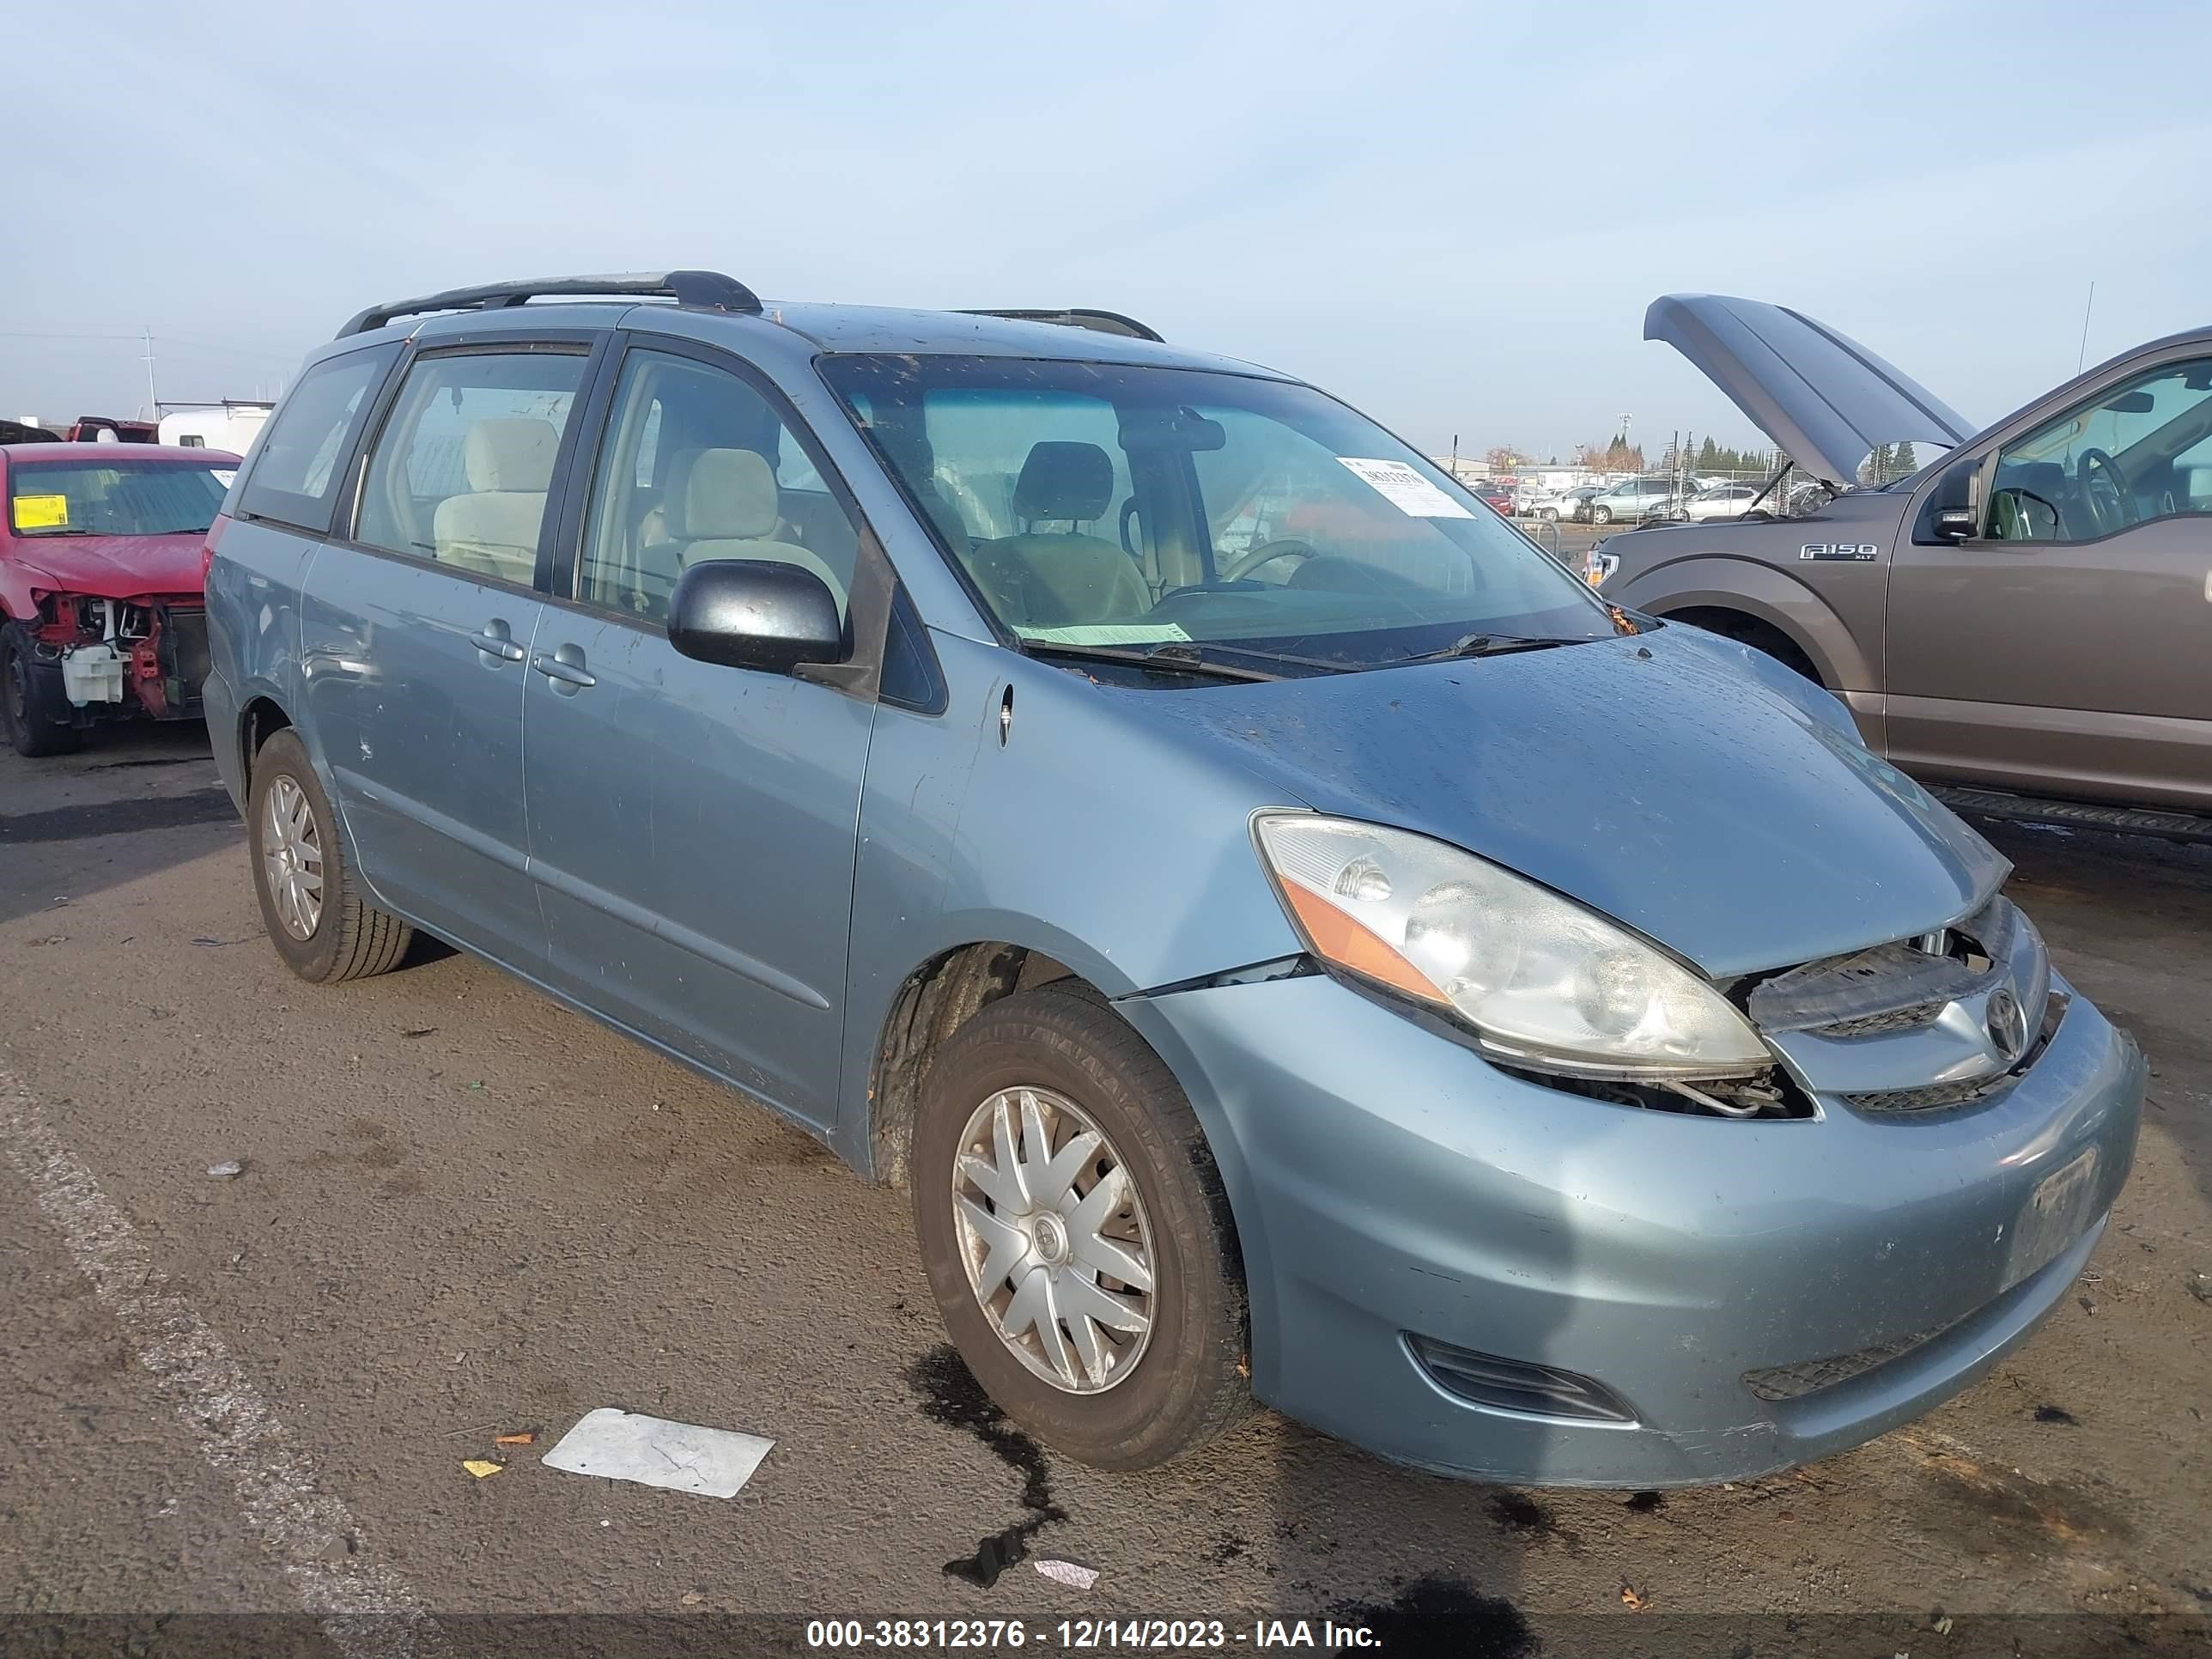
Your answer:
<point x="232" y="424"/>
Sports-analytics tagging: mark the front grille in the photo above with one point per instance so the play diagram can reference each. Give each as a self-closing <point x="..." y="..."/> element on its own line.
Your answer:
<point x="1894" y="1019"/>
<point x="1944" y="1022"/>
<point x="1974" y="1091"/>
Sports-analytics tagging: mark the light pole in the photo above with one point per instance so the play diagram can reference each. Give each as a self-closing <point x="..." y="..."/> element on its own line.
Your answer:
<point x="153" y="399"/>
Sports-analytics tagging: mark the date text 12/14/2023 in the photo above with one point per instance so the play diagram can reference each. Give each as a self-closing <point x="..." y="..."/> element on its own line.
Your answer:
<point x="1088" y="1635"/>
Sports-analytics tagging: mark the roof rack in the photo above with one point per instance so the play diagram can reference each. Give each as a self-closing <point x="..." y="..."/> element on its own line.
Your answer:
<point x="1102" y="322"/>
<point x="708" y="290"/>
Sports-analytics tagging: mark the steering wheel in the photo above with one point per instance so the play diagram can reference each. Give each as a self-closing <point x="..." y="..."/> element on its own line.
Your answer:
<point x="2104" y="490"/>
<point x="1286" y="547"/>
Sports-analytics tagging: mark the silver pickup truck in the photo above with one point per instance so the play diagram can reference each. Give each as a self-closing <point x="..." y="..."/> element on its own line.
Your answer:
<point x="2026" y="618"/>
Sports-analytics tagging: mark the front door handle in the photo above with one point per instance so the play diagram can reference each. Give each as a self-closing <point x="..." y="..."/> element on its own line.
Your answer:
<point x="496" y="643"/>
<point x="565" y="668"/>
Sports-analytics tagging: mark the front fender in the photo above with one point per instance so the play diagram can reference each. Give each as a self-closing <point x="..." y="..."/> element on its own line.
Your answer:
<point x="1751" y="588"/>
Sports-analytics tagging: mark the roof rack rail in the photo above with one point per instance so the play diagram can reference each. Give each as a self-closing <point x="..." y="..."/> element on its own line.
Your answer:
<point x="708" y="290"/>
<point x="1102" y="322"/>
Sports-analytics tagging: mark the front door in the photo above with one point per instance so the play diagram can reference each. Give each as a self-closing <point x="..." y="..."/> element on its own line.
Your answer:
<point x="417" y="639"/>
<point x="2067" y="647"/>
<point x="693" y="826"/>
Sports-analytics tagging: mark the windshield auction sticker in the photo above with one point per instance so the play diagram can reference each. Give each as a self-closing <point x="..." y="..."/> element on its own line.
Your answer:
<point x="1404" y="489"/>
<point x="41" y="511"/>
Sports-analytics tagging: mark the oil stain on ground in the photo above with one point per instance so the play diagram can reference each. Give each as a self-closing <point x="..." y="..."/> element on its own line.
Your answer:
<point x="1442" y="1616"/>
<point x="1993" y="1511"/>
<point x="951" y="1397"/>
<point x="1519" y="1512"/>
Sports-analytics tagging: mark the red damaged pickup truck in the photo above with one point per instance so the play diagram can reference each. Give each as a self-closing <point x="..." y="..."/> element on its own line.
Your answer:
<point x="100" y="586"/>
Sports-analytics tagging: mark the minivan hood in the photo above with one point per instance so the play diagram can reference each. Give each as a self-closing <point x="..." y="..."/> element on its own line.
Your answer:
<point x="1704" y="795"/>
<point x="1825" y="400"/>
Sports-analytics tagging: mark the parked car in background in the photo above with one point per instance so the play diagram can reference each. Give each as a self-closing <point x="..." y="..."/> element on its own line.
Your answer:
<point x="2025" y="617"/>
<point x="1574" y="505"/>
<point x="1496" y="494"/>
<point x="853" y="705"/>
<point x="1726" y="501"/>
<point x="101" y="610"/>
<point x="1632" y="500"/>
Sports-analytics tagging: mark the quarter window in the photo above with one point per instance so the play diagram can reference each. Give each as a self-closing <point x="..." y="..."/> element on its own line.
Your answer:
<point x="461" y="471"/>
<point x="294" y="477"/>
<point x="697" y="465"/>
<point x="2135" y="453"/>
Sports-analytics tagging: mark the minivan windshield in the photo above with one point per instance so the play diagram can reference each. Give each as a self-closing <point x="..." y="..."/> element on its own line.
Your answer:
<point x="1112" y="505"/>
<point x="115" y="498"/>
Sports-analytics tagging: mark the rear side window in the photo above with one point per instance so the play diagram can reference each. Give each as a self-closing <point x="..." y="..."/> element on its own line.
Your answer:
<point x="295" y="478"/>
<point x="461" y="473"/>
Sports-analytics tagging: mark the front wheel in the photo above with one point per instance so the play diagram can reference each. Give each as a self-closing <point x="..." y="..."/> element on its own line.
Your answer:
<point x="1075" y="1233"/>
<point x="34" y="713"/>
<point x="1601" y="515"/>
<point x="310" y="905"/>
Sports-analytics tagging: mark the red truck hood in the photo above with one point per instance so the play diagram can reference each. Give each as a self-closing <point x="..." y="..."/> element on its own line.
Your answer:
<point x="112" y="567"/>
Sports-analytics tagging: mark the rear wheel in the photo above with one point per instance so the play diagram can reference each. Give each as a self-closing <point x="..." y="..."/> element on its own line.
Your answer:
<point x="33" y="710"/>
<point x="1074" y="1229"/>
<point x="310" y="906"/>
<point x="1550" y="516"/>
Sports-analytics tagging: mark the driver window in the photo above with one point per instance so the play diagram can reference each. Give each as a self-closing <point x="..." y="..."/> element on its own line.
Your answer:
<point x="2136" y="452"/>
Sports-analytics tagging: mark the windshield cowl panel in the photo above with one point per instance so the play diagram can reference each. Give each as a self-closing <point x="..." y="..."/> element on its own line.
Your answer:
<point x="1135" y="507"/>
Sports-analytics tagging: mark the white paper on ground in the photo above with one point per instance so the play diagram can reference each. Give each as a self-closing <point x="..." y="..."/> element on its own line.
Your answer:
<point x="1404" y="489"/>
<point x="1070" y="1573"/>
<point x="620" y="1445"/>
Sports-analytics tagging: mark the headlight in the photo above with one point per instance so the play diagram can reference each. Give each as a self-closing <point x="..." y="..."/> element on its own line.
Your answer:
<point x="1543" y="981"/>
<point x="1598" y="564"/>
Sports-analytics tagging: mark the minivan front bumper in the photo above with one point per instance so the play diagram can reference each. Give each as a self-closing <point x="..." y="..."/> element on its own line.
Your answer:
<point x="1741" y="1296"/>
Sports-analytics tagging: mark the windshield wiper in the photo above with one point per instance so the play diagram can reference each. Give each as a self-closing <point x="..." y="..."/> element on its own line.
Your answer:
<point x="1178" y="657"/>
<point x="1489" y="645"/>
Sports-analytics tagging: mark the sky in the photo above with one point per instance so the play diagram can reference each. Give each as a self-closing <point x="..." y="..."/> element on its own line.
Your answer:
<point x="1452" y="216"/>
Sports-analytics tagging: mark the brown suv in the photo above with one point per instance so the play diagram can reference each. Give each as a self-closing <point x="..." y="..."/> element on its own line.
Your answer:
<point x="2025" y="611"/>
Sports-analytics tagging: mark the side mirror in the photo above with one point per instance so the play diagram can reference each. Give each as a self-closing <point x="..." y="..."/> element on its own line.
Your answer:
<point x="1954" y="523"/>
<point x="755" y="613"/>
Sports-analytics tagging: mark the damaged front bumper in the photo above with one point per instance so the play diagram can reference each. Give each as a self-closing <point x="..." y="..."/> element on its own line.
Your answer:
<point x="116" y="658"/>
<point x="1480" y="1275"/>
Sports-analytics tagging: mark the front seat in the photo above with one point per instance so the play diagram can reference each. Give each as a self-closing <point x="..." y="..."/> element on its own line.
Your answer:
<point x="492" y="530"/>
<point x="1057" y="579"/>
<point x="729" y="508"/>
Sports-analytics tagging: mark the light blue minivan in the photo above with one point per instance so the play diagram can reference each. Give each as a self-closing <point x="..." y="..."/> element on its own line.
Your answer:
<point x="1294" y="940"/>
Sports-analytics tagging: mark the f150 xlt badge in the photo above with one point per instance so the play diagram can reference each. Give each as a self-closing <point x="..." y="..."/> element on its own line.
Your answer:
<point x="1849" y="552"/>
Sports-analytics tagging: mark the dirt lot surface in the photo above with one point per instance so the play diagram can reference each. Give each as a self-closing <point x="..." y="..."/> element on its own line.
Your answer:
<point x="465" y="1212"/>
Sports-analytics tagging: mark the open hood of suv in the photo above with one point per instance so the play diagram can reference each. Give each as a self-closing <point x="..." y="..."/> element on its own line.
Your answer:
<point x="1824" y="399"/>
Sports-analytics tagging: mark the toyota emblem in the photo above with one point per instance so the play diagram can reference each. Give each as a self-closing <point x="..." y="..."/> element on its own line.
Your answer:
<point x="2008" y="1023"/>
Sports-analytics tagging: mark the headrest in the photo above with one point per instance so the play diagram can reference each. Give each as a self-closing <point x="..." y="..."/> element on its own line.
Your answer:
<point x="511" y="454"/>
<point x="726" y="494"/>
<point x="1063" y="481"/>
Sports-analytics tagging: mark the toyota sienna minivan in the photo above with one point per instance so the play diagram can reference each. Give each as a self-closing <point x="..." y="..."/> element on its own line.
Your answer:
<point x="1295" y="941"/>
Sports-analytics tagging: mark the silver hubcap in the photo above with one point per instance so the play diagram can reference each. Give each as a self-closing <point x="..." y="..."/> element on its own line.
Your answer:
<point x="1054" y="1239"/>
<point x="292" y="858"/>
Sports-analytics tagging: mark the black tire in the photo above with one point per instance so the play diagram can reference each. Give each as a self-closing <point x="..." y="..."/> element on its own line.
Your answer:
<point x="34" y="711"/>
<point x="1601" y="515"/>
<point x="1189" y="1384"/>
<point x="351" y="938"/>
<point x="1550" y="516"/>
